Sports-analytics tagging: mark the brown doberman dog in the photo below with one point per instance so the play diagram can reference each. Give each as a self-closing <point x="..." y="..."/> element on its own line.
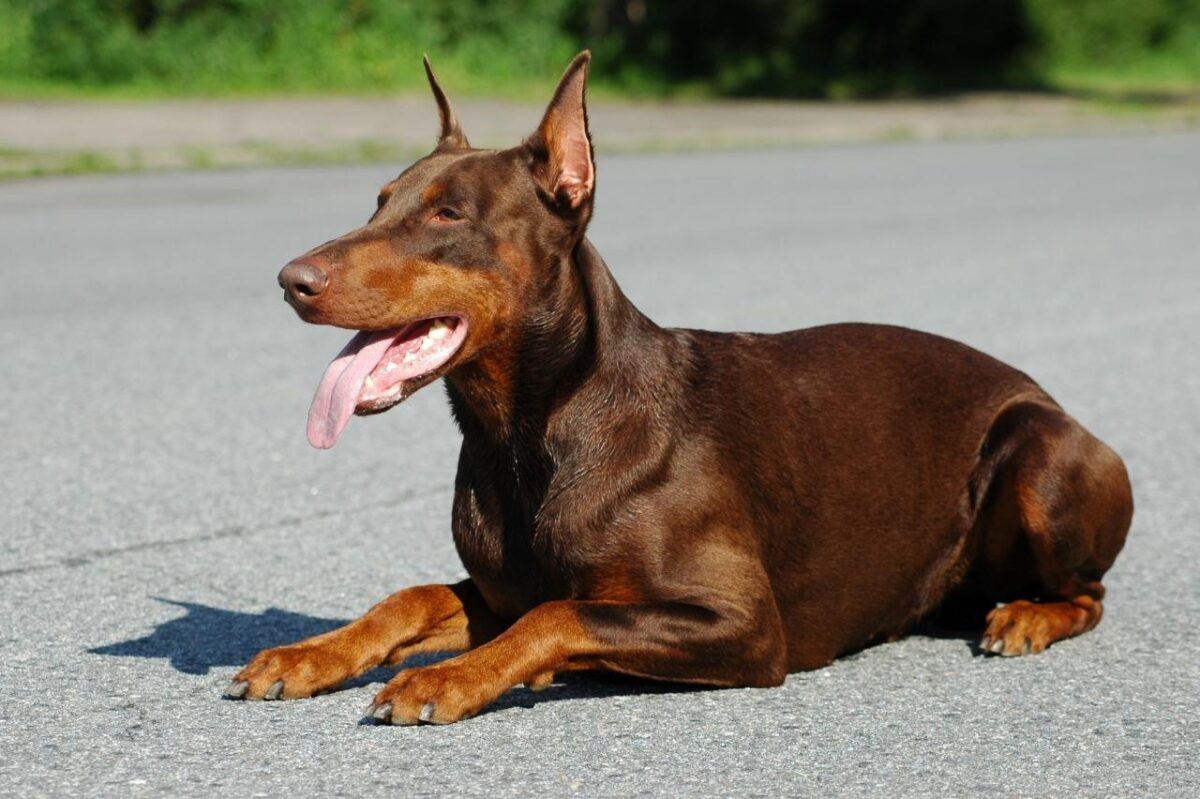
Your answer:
<point x="708" y="508"/>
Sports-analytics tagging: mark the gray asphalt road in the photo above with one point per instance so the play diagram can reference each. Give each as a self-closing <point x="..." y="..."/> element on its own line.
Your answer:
<point x="164" y="518"/>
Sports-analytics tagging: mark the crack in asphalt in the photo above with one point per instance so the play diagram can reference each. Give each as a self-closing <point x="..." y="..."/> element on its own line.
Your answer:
<point x="232" y="531"/>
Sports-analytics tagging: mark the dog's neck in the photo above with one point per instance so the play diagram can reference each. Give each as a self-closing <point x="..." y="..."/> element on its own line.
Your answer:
<point x="505" y="398"/>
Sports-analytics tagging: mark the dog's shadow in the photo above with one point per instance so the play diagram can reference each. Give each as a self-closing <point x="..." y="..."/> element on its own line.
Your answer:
<point x="207" y="637"/>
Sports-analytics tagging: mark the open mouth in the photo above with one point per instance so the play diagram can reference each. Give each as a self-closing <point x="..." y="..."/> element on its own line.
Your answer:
<point x="377" y="370"/>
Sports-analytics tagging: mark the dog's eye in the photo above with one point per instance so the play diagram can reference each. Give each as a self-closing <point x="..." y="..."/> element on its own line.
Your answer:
<point x="447" y="215"/>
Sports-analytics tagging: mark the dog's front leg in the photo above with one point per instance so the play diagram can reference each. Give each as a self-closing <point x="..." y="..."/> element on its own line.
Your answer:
<point x="429" y="618"/>
<point x="662" y="640"/>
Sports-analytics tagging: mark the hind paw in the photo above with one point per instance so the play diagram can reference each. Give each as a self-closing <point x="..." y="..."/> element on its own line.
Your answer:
<point x="1025" y="628"/>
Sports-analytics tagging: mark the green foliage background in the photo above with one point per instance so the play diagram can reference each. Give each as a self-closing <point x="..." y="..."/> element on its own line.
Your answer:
<point x="750" y="47"/>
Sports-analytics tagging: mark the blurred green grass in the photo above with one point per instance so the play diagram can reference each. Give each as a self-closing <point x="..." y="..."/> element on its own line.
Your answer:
<point x="778" y="48"/>
<point x="250" y="47"/>
<point x="1125" y="48"/>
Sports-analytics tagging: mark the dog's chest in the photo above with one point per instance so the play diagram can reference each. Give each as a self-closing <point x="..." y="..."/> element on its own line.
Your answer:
<point x="515" y="565"/>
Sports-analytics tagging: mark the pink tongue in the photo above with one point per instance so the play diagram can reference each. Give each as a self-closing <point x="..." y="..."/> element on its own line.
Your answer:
<point x="338" y="393"/>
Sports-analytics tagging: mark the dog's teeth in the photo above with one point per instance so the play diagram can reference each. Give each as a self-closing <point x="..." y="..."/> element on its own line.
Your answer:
<point x="409" y="357"/>
<point x="426" y="343"/>
<point x="369" y="382"/>
<point x="391" y="367"/>
<point x="438" y="330"/>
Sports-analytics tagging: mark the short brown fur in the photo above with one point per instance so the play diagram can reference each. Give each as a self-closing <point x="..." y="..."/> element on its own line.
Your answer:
<point x="709" y="508"/>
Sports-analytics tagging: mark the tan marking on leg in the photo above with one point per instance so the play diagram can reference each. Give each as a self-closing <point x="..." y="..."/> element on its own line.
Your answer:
<point x="428" y="618"/>
<point x="540" y="643"/>
<point x="1023" y="627"/>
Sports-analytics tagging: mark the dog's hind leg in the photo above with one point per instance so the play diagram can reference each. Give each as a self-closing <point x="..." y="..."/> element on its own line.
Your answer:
<point x="430" y="618"/>
<point x="1059" y="508"/>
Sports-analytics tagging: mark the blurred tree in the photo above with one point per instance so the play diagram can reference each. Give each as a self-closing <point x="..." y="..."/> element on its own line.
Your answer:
<point x="1112" y="31"/>
<point x="804" y="47"/>
<point x="750" y="47"/>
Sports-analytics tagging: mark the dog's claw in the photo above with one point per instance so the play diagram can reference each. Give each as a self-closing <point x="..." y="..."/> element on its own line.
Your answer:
<point x="237" y="689"/>
<point x="426" y="713"/>
<point x="274" y="691"/>
<point x="381" y="712"/>
<point x="998" y="645"/>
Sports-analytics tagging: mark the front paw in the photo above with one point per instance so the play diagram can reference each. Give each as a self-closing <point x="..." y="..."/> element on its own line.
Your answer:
<point x="295" y="671"/>
<point x="439" y="694"/>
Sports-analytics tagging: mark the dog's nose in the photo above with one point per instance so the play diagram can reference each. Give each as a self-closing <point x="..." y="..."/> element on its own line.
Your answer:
<point x="302" y="281"/>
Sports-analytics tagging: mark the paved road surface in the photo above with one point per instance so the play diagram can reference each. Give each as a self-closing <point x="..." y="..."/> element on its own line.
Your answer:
<point x="164" y="518"/>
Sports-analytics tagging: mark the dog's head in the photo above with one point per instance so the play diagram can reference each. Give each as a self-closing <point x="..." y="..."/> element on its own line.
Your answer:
<point x="459" y="247"/>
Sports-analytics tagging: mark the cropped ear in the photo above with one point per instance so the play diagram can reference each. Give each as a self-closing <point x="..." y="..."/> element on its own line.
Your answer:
<point x="452" y="135"/>
<point x="562" y="145"/>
